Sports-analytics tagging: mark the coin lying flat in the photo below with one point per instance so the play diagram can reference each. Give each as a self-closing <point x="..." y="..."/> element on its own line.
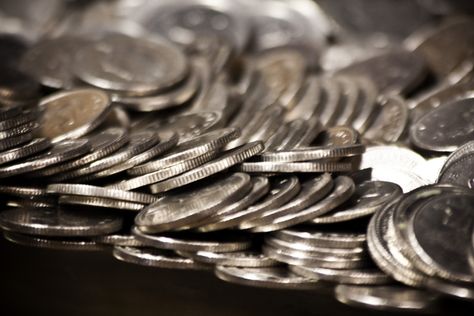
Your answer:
<point x="445" y="128"/>
<point x="368" y="276"/>
<point x="386" y="297"/>
<point x="155" y="258"/>
<point x="118" y="240"/>
<point x="100" y="202"/>
<point x="246" y="258"/>
<point x="62" y="243"/>
<point x="313" y="153"/>
<point x="73" y="113"/>
<point x="284" y="167"/>
<point x="274" y="277"/>
<point x="191" y="206"/>
<point x="59" y="222"/>
<point x="323" y="239"/>
<point x="187" y="241"/>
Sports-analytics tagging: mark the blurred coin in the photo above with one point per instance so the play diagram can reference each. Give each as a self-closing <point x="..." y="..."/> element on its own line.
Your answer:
<point x="62" y="243"/>
<point x="362" y="276"/>
<point x="246" y="258"/>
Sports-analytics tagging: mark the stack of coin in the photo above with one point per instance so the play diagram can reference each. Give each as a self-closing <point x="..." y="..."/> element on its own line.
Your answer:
<point x="257" y="140"/>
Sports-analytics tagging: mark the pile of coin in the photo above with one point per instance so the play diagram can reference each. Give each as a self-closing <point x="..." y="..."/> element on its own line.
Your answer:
<point x="264" y="142"/>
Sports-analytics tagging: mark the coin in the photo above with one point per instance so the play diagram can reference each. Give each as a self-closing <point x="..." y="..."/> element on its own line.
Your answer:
<point x="102" y="144"/>
<point x="187" y="150"/>
<point x="311" y="236"/>
<point x="386" y="297"/>
<point x="49" y="61"/>
<point x="362" y="276"/>
<point x="273" y="277"/>
<point x="188" y="241"/>
<point x="225" y="218"/>
<point x="226" y="160"/>
<point x="313" y="153"/>
<point x="53" y="243"/>
<point x="118" y="240"/>
<point x="192" y="206"/>
<point x="449" y="218"/>
<point x="312" y="191"/>
<point x="155" y="258"/>
<point x="35" y="146"/>
<point x="95" y="191"/>
<point x="445" y="128"/>
<point x="100" y="202"/>
<point x="109" y="65"/>
<point x="246" y="258"/>
<point x="368" y="197"/>
<point x="73" y="113"/>
<point x="285" y="167"/>
<point x="62" y="151"/>
<point x="59" y="222"/>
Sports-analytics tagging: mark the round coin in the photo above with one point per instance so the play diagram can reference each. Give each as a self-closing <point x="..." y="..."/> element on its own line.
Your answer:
<point x="353" y="276"/>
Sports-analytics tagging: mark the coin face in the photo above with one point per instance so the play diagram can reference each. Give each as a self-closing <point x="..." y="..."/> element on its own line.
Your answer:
<point x="72" y="114"/>
<point x="180" y="210"/>
<point x="108" y="64"/>
<point x="445" y="128"/>
<point x="50" y="61"/>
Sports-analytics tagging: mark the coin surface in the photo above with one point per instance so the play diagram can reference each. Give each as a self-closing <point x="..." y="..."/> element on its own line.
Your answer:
<point x="246" y="258"/>
<point x="73" y="113"/>
<point x="445" y="128"/>
<point x="108" y="65"/>
<point x="368" y="276"/>
<point x="192" y="206"/>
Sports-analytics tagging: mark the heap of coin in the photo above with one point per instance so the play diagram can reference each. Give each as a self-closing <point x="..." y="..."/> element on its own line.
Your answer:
<point x="204" y="135"/>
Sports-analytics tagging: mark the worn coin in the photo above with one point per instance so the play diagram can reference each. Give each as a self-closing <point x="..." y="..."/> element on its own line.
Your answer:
<point x="313" y="237"/>
<point x="35" y="146"/>
<point x="245" y="258"/>
<point x="72" y="113"/>
<point x="353" y="276"/>
<point x="100" y="202"/>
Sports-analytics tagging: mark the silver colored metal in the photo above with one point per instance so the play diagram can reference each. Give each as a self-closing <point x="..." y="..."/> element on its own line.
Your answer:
<point x="244" y="259"/>
<point x="352" y="276"/>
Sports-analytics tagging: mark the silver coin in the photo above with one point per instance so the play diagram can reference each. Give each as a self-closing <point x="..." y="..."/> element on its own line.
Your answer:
<point x="291" y="167"/>
<point x="72" y="113"/>
<point x="458" y="172"/>
<point x="164" y="174"/>
<point x="155" y="258"/>
<point x="27" y="116"/>
<point x="367" y="109"/>
<point x="54" y="243"/>
<point x="100" y="202"/>
<point x="187" y="126"/>
<point x="445" y="128"/>
<point x="19" y="130"/>
<point x="312" y="191"/>
<point x="191" y="206"/>
<point x="368" y="197"/>
<point x="95" y="191"/>
<point x="343" y="189"/>
<point x="458" y="290"/>
<point x="330" y="110"/>
<point x="245" y="259"/>
<point x="102" y="144"/>
<point x="23" y="191"/>
<point x="139" y="142"/>
<point x="322" y="239"/>
<point x="271" y="277"/>
<point x="225" y="218"/>
<point x="109" y="65"/>
<point x="395" y="264"/>
<point x="351" y="95"/>
<point x="362" y="276"/>
<point x="60" y="152"/>
<point x="309" y="101"/>
<point x="386" y="297"/>
<point x="216" y="242"/>
<point x="448" y="217"/>
<point x="59" y="222"/>
<point x="35" y="146"/>
<point x="352" y="253"/>
<point x="187" y="150"/>
<point x="391" y="122"/>
<point x="282" y="190"/>
<point x="174" y="98"/>
<point x="223" y="162"/>
<point x="49" y="61"/>
<point x="313" y="153"/>
<point x="301" y="258"/>
<point x="118" y="240"/>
